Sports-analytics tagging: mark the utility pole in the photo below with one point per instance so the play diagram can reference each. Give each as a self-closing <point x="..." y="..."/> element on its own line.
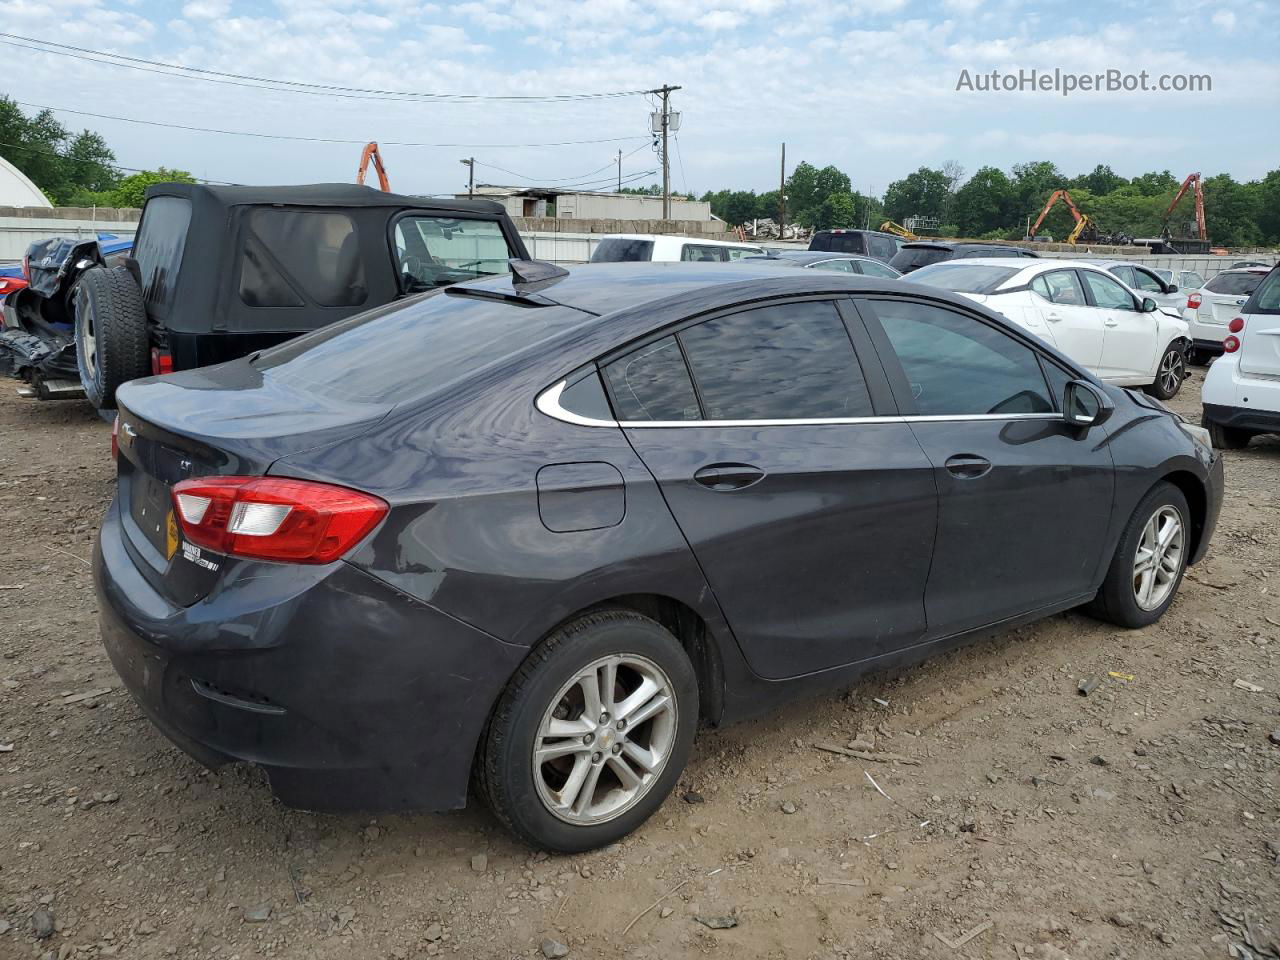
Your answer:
<point x="782" y="196"/>
<point x="619" y="170"/>
<point x="471" y="175"/>
<point x="664" y="121"/>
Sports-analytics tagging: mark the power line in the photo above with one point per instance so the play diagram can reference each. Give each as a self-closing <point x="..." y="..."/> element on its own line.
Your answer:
<point x="680" y="160"/>
<point x="285" y="86"/>
<point x="283" y="136"/>
<point x="521" y="176"/>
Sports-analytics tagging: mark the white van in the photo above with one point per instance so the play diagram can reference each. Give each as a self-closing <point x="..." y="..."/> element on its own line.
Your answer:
<point x="659" y="248"/>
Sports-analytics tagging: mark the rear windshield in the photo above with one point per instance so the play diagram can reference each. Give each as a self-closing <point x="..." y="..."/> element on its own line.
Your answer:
<point x="838" y="243"/>
<point x="960" y="277"/>
<point x="911" y="258"/>
<point x="411" y="348"/>
<point x="1235" y="284"/>
<point x="620" y="250"/>
<point x="1266" y="299"/>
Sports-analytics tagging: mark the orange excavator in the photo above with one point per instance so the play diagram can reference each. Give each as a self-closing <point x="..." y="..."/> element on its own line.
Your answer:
<point x="371" y="153"/>
<point x="1085" y="229"/>
<point x="1192" y="181"/>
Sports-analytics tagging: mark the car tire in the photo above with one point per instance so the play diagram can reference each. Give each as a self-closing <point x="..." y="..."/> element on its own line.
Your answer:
<point x="1122" y="600"/>
<point x="536" y="800"/>
<point x="112" y="342"/>
<point x="1227" y="438"/>
<point x="1171" y="373"/>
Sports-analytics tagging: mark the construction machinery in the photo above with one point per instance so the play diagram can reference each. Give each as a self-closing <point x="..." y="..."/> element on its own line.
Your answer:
<point x="1198" y="241"/>
<point x="1086" y="228"/>
<point x="371" y="154"/>
<point x="898" y="230"/>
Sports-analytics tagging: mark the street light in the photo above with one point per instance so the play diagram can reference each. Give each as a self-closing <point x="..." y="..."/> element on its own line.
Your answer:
<point x="470" y="163"/>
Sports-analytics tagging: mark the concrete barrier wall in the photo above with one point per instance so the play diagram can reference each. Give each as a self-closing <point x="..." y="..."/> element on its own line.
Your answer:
<point x="22" y="226"/>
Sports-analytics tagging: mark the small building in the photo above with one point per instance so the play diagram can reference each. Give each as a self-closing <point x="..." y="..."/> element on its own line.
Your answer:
<point x="588" y="205"/>
<point x="16" y="190"/>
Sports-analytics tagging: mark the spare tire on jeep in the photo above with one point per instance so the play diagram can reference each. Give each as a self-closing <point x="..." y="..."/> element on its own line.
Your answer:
<point x="112" y="343"/>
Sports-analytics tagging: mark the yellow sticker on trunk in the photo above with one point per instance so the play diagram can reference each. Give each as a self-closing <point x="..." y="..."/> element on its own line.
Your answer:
<point x="170" y="536"/>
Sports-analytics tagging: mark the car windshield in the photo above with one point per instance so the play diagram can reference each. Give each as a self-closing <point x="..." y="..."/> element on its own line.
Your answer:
<point x="622" y="250"/>
<point x="1235" y="284"/>
<point x="410" y="348"/>
<point x="961" y="277"/>
<point x="911" y="258"/>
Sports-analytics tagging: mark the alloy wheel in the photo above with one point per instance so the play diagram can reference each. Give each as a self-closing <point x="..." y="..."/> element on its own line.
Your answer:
<point x="1172" y="371"/>
<point x="605" y="739"/>
<point x="1158" y="560"/>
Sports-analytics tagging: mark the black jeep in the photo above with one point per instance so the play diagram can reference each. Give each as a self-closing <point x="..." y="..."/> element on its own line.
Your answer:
<point x="220" y="272"/>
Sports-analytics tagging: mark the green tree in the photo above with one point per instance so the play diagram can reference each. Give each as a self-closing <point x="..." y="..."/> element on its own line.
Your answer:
<point x="1155" y="184"/>
<point x="807" y="189"/>
<point x="1268" y="208"/>
<point x="133" y="189"/>
<point x="984" y="203"/>
<point x="1032" y="184"/>
<point x="1231" y="212"/>
<point x="836" y="210"/>
<point x="923" y="193"/>
<point x="59" y="163"/>
<point x="1101" y="180"/>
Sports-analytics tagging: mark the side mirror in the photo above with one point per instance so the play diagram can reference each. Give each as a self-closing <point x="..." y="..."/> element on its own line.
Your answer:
<point x="1149" y="305"/>
<point x="1171" y="288"/>
<point x="1084" y="405"/>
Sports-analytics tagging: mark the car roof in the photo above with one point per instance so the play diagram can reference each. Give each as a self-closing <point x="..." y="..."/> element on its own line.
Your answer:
<point x="1245" y="270"/>
<point x="837" y="230"/>
<point x="317" y="195"/>
<point x="677" y="238"/>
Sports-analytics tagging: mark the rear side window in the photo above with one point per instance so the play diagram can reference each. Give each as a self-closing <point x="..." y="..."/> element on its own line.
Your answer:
<point x="790" y="361"/>
<point x="1235" y="284"/>
<point x="839" y="266"/>
<point x="882" y="248"/>
<point x="653" y="384"/>
<point x="162" y="236"/>
<point x="294" y="257"/>
<point x="958" y="366"/>
<point x="620" y="250"/>
<point x="874" y="268"/>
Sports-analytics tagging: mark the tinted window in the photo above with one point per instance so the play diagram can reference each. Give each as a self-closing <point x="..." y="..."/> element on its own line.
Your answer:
<point x="958" y="366"/>
<point x="1235" y="284"/>
<point x="882" y="248"/>
<point x="840" y="266"/>
<point x="620" y="250"/>
<point x="409" y="349"/>
<point x="874" y="268"/>
<point x="435" y="251"/>
<point x="912" y="258"/>
<point x="703" y="253"/>
<point x="1107" y="293"/>
<point x="1060" y="286"/>
<point x="963" y="277"/>
<point x="838" y="242"/>
<point x="653" y="384"/>
<point x="1266" y="299"/>
<point x="1058" y="380"/>
<point x="585" y="397"/>
<point x="784" y="362"/>
<point x="291" y="257"/>
<point x="162" y="236"/>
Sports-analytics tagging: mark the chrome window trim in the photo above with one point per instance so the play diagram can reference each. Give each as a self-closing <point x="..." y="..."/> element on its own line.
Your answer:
<point x="548" y="402"/>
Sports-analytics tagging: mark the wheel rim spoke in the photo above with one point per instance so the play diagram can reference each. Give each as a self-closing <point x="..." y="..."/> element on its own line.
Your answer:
<point x="622" y="770"/>
<point x="582" y="803"/>
<point x="563" y="749"/>
<point x="637" y="699"/>
<point x="568" y="794"/>
<point x="1158" y="558"/>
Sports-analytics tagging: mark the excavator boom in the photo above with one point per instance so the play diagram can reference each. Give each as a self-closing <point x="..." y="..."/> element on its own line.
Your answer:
<point x="371" y="153"/>
<point x="1054" y="197"/>
<point x="898" y="230"/>
<point x="1193" y="180"/>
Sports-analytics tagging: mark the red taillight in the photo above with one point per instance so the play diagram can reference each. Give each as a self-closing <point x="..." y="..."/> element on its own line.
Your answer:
<point x="161" y="362"/>
<point x="275" y="518"/>
<point x="1236" y="325"/>
<point x="1231" y="344"/>
<point x="115" y="438"/>
<point x="1193" y="301"/>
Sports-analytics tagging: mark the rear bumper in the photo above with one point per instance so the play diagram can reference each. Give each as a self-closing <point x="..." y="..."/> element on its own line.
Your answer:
<point x="1243" y="418"/>
<point x="349" y="694"/>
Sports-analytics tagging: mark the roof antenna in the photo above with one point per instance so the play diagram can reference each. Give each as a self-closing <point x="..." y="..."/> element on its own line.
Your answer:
<point x="529" y="276"/>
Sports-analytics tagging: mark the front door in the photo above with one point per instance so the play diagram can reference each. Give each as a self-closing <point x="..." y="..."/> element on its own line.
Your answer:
<point x="1128" y="335"/>
<point x="1024" y="499"/>
<point x="811" y="516"/>
<point x="1073" y="326"/>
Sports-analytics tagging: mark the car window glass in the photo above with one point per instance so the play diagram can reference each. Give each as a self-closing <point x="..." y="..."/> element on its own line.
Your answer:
<point x="1058" y="380"/>
<point x="162" y="237"/>
<point x="1191" y="280"/>
<point x="874" y="268"/>
<point x="653" y="384"/>
<point x="958" y="365"/>
<point x="437" y="251"/>
<point x="291" y="257"/>
<point x="1145" y="282"/>
<point x="586" y="398"/>
<point x="882" y="248"/>
<point x="1235" y="284"/>
<point x="782" y="362"/>
<point x="1267" y="297"/>
<point x="738" y="253"/>
<point x="1060" y="286"/>
<point x="701" y="253"/>
<point x="838" y="242"/>
<point x="622" y="250"/>
<point x="840" y="266"/>
<point x="1108" y="294"/>
<point x="1124" y="273"/>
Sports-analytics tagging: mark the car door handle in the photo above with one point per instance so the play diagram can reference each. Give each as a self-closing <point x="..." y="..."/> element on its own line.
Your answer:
<point x="968" y="466"/>
<point x="1054" y="318"/>
<point x="725" y="477"/>
<point x="1111" y="322"/>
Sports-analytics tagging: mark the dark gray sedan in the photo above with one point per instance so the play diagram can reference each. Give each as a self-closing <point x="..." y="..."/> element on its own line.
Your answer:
<point x="533" y="529"/>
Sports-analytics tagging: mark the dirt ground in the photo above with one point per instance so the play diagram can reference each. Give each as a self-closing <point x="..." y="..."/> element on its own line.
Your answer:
<point x="1142" y="820"/>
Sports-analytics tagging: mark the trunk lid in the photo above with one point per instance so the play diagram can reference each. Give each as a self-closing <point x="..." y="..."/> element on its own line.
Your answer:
<point x="1219" y="308"/>
<point x="228" y="421"/>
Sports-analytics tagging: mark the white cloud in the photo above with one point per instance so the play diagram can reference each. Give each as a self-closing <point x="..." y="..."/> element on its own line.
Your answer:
<point x="1224" y="20"/>
<point x="206" y="9"/>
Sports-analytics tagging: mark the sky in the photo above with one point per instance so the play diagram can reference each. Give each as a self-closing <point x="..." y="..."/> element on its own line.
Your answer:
<point x="867" y="85"/>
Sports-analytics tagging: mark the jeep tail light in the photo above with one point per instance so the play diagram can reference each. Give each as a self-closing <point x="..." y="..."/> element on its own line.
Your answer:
<point x="1193" y="301"/>
<point x="161" y="362"/>
<point x="1236" y="325"/>
<point x="275" y="518"/>
<point x="1231" y="344"/>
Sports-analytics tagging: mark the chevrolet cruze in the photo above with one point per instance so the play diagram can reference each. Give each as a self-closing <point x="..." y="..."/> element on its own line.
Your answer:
<point x="531" y="531"/>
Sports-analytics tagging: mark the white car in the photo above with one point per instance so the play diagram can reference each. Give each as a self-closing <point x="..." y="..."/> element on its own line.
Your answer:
<point x="1145" y="282"/>
<point x="1241" y="392"/>
<point x="1211" y="307"/>
<point x="1185" y="279"/>
<point x="661" y="248"/>
<point x="1082" y="310"/>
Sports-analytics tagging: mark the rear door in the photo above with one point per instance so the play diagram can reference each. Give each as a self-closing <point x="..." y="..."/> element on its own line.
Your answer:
<point x="1073" y="326"/>
<point x="809" y="506"/>
<point x="1260" y="339"/>
<point x="1024" y="499"/>
<point x="1129" y="336"/>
